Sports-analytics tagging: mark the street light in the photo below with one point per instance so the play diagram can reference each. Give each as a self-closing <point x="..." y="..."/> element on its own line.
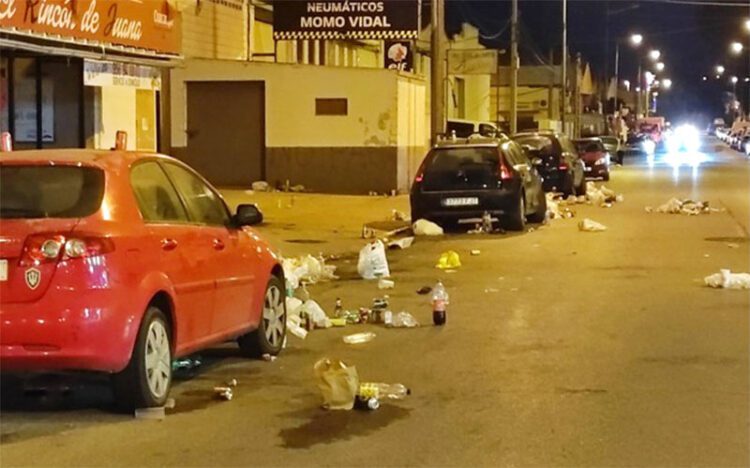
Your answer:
<point x="666" y="83"/>
<point x="660" y="66"/>
<point x="736" y="47"/>
<point x="635" y="40"/>
<point x="626" y="83"/>
<point x="734" y="85"/>
<point x="654" y="55"/>
<point x="747" y="24"/>
<point x="719" y="69"/>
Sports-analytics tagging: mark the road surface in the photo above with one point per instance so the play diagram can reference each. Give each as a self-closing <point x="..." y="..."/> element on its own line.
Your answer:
<point x="561" y="348"/>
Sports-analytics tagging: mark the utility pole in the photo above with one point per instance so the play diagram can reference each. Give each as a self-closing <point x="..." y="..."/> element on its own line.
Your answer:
<point x="577" y="104"/>
<point x="437" y="66"/>
<point x="617" y="76"/>
<point x="514" y="62"/>
<point x="564" y="61"/>
<point x="638" y="90"/>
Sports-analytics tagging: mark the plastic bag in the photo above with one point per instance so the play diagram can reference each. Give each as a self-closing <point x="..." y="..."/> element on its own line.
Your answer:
<point x="422" y="227"/>
<point x="373" y="262"/>
<point x="319" y="317"/>
<point x="590" y="225"/>
<point x="728" y="280"/>
<point x="449" y="260"/>
<point x="404" y="320"/>
<point x="338" y="383"/>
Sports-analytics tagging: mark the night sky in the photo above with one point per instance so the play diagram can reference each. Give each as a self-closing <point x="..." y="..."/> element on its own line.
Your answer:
<point x="692" y="36"/>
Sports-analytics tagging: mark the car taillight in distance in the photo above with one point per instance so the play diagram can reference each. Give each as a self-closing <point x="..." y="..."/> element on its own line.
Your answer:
<point x="52" y="247"/>
<point x="504" y="171"/>
<point x="563" y="166"/>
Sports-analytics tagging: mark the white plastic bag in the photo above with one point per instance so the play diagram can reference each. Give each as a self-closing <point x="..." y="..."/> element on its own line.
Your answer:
<point x="422" y="227"/>
<point x="319" y="317"/>
<point x="589" y="225"/>
<point x="728" y="280"/>
<point x="338" y="383"/>
<point x="373" y="262"/>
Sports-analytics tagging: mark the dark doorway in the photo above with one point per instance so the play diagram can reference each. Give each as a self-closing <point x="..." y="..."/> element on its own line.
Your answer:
<point x="226" y="131"/>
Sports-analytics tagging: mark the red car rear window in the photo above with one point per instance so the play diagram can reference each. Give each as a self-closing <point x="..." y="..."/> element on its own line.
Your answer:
<point x="35" y="191"/>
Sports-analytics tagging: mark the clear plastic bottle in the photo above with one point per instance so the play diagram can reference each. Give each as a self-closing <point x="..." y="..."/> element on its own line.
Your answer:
<point x="439" y="303"/>
<point x="379" y="390"/>
<point x="338" y="310"/>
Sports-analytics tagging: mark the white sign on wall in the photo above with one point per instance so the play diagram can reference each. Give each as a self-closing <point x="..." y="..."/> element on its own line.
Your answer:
<point x="472" y="62"/>
<point x="97" y="73"/>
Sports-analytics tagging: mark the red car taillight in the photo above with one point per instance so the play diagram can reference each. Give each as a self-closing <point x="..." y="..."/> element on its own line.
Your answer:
<point x="563" y="167"/>
<point x="503" y="170"/>
<point x="51" y="247"/>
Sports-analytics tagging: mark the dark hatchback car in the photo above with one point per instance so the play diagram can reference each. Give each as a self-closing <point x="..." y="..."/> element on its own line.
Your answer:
<point x="556" y="159"/>
<point x="461" y="179"/>
<point x="594" y="156"/>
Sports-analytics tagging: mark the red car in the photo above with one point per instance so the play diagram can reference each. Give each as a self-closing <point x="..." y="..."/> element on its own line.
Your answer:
<point x="120" y="262"/>
<point x="594" y="156"/>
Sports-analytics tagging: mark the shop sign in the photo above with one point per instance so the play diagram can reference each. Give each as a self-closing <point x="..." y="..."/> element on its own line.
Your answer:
<point x="96" y="73"/>
<point x="345" y="19"/>
<point x="398" y="55"/>
<point x="150" y="24"/>
<point x="472" y="62"/>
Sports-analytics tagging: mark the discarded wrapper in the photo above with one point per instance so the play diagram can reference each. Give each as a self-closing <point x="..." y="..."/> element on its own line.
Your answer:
<point x="728" y="280"/>
<point x="422" y="227"/>
<point x="224" y="393"/>
<point x="449" y="260"/>
<point x="476" y="252"/>
<point x="385" y="284"/>
<point x="338" y="383"/>
<point x="359" y="338"/>
<point x="268" y="357"/>
<point x="589" y="225"/>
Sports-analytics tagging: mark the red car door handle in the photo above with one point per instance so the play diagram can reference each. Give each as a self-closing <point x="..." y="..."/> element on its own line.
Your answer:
<point x="218" y="244"/>
<point x="168" y="244"/>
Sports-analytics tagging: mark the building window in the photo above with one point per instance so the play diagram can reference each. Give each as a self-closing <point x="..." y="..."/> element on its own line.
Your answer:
<point x="335" y="106"/>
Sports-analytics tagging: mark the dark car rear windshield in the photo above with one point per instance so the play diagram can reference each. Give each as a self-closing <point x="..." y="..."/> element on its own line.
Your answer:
<point x="535" y="142"/>
<point x="453" y="159"/>
<point x="589" y="146"/>
<point x="49" y="191"/>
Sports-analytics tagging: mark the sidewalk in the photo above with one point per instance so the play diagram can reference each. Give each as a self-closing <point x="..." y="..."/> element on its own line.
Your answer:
<point x="302" y="223"/>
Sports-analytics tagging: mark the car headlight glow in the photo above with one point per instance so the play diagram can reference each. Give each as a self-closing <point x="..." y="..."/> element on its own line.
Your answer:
<point x="600" y="161"/>
<point x="649" y="146"/>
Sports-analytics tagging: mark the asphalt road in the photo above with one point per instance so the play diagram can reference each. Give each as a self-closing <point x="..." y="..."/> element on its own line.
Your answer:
<point x="561" y="348"/>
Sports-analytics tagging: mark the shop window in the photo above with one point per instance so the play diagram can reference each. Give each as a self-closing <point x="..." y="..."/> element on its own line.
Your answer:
<point x="335" y="106"/>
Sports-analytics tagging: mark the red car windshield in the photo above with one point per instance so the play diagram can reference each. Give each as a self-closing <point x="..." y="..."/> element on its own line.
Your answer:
<point x="35" y="191"/>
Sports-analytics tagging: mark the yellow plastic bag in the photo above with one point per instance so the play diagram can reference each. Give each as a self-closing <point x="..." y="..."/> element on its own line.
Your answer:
<point x="449" y="260"/>
<point x="338" y="383"/>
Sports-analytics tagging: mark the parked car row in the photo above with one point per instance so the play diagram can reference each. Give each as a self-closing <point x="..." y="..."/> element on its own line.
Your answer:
<point x="119" y="262"/>
<point x="462" y="179"/>
<point x="738" y="139"/>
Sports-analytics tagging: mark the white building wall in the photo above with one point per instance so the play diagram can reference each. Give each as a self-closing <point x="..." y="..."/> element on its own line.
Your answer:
<point x="114" y="110"/>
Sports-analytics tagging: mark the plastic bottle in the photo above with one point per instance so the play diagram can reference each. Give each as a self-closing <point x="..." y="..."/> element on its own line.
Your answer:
<point x="439" y="301"/>
<point x="338" y="310"/>
<point x="381" y="390"/>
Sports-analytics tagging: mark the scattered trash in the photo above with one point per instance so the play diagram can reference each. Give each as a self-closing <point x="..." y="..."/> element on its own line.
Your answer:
<point x="297" y="188"/>
<point x="295" y="329"/>
<point x="261" y="186"/>
<point x="370" y="404"/>
<point x="170" y="403"/>
<point x="476" y="252"/>
<point x="231" y="383"/>
<point x="422" y="227"/>
<point x="388" y="318"/>
<point x="338" y="383"/>
<point x="359" y="338"/>
<point x="383" y="390"/>
<point x="554" y="210"/>
<point x="316" y="314"/>
<point x="268" y="357"/>
<point x="403" y="243"/>
<point x="385" y="284"/>
<point x="449" y="260"/>
<point x="728" y="280"/>
<point x="373" y="262"/>
<point x="384" y="229"/>
<point x="397" y="215"/>
<point x="338" y="322"/>
<point x="590" y="225"/>
<point x="439" y="300"/>
<point x="732" y="245"/>
<point x="619" y="198"/>
<point x="683" y="206"/>
<point x="601" y="196"/>
<point x="424" y="290"/>
<point x="338" y="308"/>
<point x="155" y="413"/>
<point x="186" y="364"/>
<point x="404" y="320"/>
<point x="491" y="290"/>
<point x="306" y="269"/>
<point x="223" y="393"/>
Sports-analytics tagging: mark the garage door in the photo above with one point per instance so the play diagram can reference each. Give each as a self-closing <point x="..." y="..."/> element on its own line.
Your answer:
<point x="226" y="131"/>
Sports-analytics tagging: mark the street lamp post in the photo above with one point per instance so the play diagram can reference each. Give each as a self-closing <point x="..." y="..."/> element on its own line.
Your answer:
<point x="635" y="40"/>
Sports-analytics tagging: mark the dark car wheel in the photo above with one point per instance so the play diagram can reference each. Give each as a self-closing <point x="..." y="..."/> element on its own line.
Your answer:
<point x="268" y="338"/>
<point x="145" y="382"/>
<point x="516" y="219"/>
<point x="605" y="178"/>
<point x="541" y="209"/>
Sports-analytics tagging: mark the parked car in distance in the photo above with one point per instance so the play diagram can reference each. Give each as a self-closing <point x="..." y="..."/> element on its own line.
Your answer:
<point x="594" y="156"/>
<point x="466" y="128"/>
<point x="461" y="179"/>
<point x="557" y="160"/>
<point x="612" y="145"/>
<point x="120" y="262"/>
